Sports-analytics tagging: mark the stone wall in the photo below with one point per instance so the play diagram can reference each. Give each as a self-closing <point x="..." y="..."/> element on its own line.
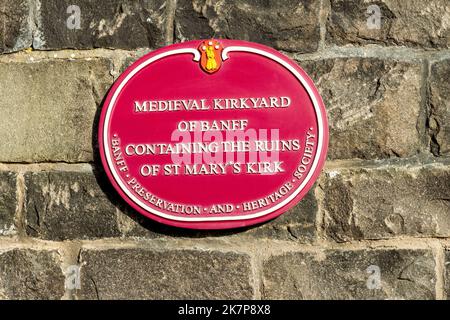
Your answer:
<point x="375" y="226"/>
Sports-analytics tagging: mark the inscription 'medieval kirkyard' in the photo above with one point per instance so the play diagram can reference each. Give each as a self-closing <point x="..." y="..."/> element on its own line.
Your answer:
<point x="213" y="134"/>
<point x="212" y="104"/>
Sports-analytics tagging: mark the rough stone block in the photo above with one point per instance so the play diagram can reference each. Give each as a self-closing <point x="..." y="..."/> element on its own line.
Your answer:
<point x="286" y="25"/>
<point x="373" y="106"/>
<point x="412" y="23"/>
<point x="164" y="274"/>
<point x="387" y="203"/>
<point x="447" y="274"/>
<point x="48" y="109"/>
<point x="350" y="274"/>
<point x="15" y="29"/>
<point x="439" y="122"/>
<point x="123" y="24"/>
<point x="8" y="203"/>
<point x="30" y="275"/>
<point x="68" y="205"/>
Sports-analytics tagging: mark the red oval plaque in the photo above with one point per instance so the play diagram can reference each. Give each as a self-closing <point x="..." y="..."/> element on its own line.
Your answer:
<point x="213" y="134"/>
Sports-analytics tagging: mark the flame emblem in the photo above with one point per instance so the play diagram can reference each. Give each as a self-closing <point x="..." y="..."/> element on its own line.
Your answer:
<point x="211" y="55"/>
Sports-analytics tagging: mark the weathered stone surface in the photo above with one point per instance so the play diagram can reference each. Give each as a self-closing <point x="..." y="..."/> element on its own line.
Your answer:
<point x="297" y="224"/>
<point x="373" y="106"/>
<point x="48" y="109"/>
<point x="285" y="25"/>
<point x="124" y="24"/>
<point x="412" y="23"/>
<point x="8" y="202"/>
<point x="385" y="203"/>
<point x="439" y="122"/>
<point x="68" y="205"/>
<point x="164" y="274"/>
<point x="447" y="273"/>
<point x="31" y="275"/>
<point x="341" y="274"/>
<point x="15" y="31"/>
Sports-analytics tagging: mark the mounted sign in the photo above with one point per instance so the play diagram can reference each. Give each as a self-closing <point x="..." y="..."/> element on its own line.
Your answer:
<point x="213" y="134"/>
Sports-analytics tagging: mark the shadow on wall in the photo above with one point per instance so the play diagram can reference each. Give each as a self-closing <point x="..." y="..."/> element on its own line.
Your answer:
<point x="146" y="223"/>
